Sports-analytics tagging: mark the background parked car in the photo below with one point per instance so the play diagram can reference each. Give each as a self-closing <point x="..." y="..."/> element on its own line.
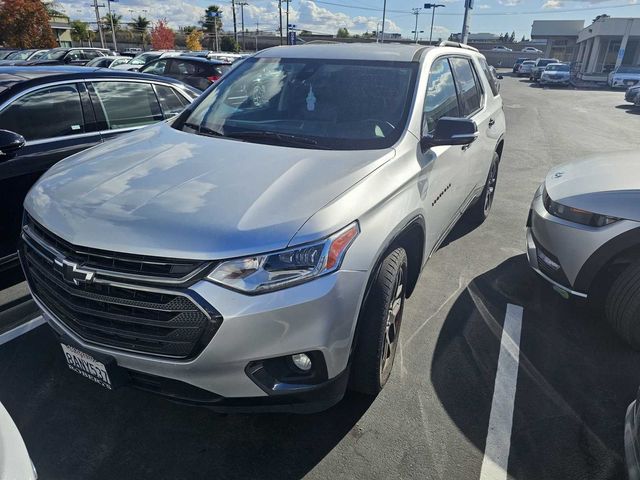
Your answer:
<point x="141" y="60"/>
<point x="30" y="54"/>
<point x="525" y="68"/>
<point x="108" y="62"/>
<point x="624" y="77"/>
<point x="501" y="48"/>
<point x="197" y="72"/>
<point x="531" y="50"/>
<point x="538" y="68"/>
<point x="60" y="111"/>
<point x="68" y="56"/>
<point x="633" y="94"/>
<point x="516" y="65"/>
<point x="5" y="52"/>
<point x="131" y="52"/>
<point x="556" y="74"/>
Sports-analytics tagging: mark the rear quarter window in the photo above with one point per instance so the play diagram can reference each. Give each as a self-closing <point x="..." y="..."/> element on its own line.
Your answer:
<point x="493" y="81"/>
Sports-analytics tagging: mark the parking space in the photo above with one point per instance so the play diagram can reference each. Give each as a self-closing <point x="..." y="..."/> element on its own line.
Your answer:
<point x="574" y="377"/>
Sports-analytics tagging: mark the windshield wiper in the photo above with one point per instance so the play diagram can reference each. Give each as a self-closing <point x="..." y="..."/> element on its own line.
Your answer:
<point x="201" y="129"/>
<point x="282" y="138"/>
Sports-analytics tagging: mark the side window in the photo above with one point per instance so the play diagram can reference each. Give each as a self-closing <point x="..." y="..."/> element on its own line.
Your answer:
<point x="91" y="54"/>
<point x="172" y="102"/>
<point x="47" y="113"/>
<point x="468" y="89"/>
<point x="74" y="56"/>
<point x="493" y="81"/>
<point x="181" y="67"/>
<point x="441" y="100"/>
<point x="127" y="104"/>
<point x="156" y="68"/>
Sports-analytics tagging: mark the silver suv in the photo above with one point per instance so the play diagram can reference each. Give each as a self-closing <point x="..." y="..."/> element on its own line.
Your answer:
<point x="257" y="250"/>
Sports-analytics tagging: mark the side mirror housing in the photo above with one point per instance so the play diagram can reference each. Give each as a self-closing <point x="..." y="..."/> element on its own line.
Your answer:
<point x="450" y="131"/>
<point x="10" y="143"/>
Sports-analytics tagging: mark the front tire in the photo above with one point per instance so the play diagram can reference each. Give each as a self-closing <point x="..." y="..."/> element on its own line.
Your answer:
<point x="379" y="330"/>
<point x="622" y="305"/>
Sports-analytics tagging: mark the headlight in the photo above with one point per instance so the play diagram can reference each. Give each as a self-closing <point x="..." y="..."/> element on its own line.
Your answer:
<point x="273" y="271"/>
<point x="575" y="214"/>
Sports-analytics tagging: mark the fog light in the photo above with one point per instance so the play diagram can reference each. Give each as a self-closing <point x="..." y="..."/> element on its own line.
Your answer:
<point x="302" y="361"/>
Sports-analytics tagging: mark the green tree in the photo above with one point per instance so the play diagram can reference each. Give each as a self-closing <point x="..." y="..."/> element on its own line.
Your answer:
<point x="209" y="20"/>
<point x="512" y="37"/>
<point x="228" y="44"/>
<point x="80" y="31"/>
<point x="140" y="25"/>
<point x="342" y="33"/>
<point x="188" y="29"/>
<point x="112" y="17"/>
<point x="524" y="39"/>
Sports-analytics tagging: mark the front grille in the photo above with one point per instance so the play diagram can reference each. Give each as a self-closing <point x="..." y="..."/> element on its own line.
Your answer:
<point x="137" y="318"/>
<point x="136" y="267"/>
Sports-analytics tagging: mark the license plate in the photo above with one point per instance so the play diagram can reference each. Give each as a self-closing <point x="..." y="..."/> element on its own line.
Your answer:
<point x="87" y="366"/>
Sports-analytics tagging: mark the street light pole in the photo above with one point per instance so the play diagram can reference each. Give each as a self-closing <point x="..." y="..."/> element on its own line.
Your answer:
<point x="287" y="21"/>
<point x="468" y="6"/>
<point x="433" y="7"/>
<point x="378" y="32"/>
<point x="95" y="5"/>
<point x="384" y="15"/>
<point x="280" y="13"/>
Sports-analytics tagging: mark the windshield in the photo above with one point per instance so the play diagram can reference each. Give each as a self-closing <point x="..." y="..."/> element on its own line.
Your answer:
<point x="628" y="70"/>
<point x="557" y="68"/>
<point x="54" y="54"/>
<point x="23" y="55"/>
<point x="544" y="63"/>
<point x="529" y="62"/>
<point x="143" y="59"/>
<point x="329" y="104"/>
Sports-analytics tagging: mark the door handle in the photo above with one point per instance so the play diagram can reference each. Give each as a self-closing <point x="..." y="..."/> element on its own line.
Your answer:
<point x="492" y="122"/>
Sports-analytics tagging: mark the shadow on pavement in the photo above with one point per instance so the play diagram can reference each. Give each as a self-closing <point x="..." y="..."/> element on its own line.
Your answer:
<point x="77" y="430"/>
<point x="575" y="380"/>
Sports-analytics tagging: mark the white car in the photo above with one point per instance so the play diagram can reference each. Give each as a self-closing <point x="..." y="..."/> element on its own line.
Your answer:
<point x="14" y="457"/>
<point x="501" y="48"/>
<point x="624" y="77"/>
<point x="556" y="74"/>
<point x="531" y="50"/>
<point x="108" y="62"/>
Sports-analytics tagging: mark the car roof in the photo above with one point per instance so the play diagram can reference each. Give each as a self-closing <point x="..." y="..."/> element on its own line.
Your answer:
<point x="18" y="78"/>
<point x="347" y="51"/>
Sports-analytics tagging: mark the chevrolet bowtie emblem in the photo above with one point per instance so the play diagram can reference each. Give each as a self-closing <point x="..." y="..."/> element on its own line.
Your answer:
<point x="71" y="273"/>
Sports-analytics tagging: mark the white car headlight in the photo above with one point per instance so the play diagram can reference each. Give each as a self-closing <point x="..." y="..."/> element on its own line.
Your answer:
<point x="273" y="271"/>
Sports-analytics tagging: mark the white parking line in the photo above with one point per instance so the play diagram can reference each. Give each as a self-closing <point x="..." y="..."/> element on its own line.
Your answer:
<point x="496" y="451"/>
<point x="21" y="329"/>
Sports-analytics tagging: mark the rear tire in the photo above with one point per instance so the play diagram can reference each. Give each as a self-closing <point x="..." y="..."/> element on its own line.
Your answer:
<point x="622" y="305"/>
<point x="479" y="211"/>
<point x="379" y="329"/>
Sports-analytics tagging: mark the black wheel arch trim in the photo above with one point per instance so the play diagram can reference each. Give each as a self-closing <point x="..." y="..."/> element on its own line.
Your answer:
<point x="603" y="256"/>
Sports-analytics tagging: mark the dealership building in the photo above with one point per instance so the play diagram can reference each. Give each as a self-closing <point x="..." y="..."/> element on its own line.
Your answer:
<point x="607" y="44"/>
<point x="561" y="37"/>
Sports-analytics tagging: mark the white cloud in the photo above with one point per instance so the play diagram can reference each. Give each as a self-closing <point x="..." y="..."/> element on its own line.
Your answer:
<point x="509" y="3"/>
<point x="484" y="6"/>
<point x="552" y="4"/>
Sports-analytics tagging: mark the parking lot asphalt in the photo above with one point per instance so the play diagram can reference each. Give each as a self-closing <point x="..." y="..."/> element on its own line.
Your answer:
<point x="574" y="377"/>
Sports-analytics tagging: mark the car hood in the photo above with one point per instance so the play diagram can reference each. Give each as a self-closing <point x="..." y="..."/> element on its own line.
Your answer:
<point x="606" y="185"/>
<point x="163" y="192"/>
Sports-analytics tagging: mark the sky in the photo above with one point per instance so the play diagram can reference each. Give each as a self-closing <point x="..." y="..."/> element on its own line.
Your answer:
<point x="358" y="16"/>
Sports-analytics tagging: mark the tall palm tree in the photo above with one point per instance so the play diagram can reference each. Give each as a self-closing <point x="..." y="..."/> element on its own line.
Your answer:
<point x="112" y="17"/>
<point x="140" y="25"/>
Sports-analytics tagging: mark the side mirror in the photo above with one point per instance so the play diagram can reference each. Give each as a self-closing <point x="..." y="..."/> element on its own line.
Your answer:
<point x="500" y="77"/>
<point x="10" y="143"/>
<point x="451" y="131"/>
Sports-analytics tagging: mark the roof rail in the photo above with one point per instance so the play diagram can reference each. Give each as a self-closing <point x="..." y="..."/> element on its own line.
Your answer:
<point x="447" y="43"/>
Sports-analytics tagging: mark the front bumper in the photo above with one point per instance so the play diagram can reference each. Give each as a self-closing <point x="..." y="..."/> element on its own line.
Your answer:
<point x="558" y="249"/>
<point x="554" y="81"/>
<point x="318" y="316"/>
<point x="623" y="83"/>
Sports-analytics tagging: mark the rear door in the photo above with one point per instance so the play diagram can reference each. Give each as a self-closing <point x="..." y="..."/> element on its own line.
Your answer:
<point x="476" y="156"/>
<point x="56" y="121"/>
<point x="124" y="106"/>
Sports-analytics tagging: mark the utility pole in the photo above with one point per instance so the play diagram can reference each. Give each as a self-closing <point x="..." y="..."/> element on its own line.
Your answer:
<point x="280" y="13"/>
<point x="433" y="7"/>
<point x="235" y="28"/>
<point x="384" y="15"/>
<point x="416" y="12"/>
<point x="257" y="32"/>
<point x="113" y="31"/>
<point x="468" y="6"/>
<point x="242" y="5"/>
<point x="95" y="5"/>
<point x="378" y="32"/>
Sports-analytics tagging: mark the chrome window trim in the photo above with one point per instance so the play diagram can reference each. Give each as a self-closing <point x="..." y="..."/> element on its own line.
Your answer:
<point x="28" y="234"/>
